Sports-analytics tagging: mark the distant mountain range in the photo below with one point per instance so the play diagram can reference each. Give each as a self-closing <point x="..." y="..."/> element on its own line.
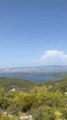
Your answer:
<point x="38" y="69"/>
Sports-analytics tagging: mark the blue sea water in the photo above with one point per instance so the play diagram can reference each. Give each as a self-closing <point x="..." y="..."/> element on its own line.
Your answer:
<point x="29" y="77"/>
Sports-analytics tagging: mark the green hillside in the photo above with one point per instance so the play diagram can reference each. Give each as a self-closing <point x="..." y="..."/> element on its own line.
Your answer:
<point x="19" y="84"/>
<point x="61" y="85"/>
<point x="41" y="101"/>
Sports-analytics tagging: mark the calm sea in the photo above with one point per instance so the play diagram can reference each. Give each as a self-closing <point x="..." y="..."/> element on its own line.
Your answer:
<point x="29" y="77"/>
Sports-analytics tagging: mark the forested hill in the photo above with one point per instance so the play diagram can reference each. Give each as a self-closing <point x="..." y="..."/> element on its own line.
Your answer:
<point x="21" y="84"/>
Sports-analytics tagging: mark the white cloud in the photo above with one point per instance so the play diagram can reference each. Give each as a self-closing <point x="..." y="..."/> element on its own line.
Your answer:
<point x="51" y="57"/>
<point x="53" y="54"/>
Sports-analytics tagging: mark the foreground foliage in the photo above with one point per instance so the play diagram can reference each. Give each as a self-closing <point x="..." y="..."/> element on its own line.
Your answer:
<point x="47" y="101"/>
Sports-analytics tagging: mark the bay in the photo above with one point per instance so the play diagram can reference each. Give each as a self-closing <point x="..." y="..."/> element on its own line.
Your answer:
<point x="29" y="77"/>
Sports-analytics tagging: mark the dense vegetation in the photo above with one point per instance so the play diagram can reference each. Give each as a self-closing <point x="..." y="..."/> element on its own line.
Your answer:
<point x="19" y="84"/>
<point x="44" y="101"/>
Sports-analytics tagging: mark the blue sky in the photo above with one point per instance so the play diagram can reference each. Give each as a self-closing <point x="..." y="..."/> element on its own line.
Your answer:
<point x="32" y="29"/>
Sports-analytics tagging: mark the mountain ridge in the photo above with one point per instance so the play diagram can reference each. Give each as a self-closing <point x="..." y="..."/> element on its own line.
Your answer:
<point x="46" y="68"/>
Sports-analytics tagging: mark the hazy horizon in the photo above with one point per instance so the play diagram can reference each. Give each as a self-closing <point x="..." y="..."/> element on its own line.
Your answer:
<point x="33" y="66"/>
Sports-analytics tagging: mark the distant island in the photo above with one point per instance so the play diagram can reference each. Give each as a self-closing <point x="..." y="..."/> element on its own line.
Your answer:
<point x="36" y="69"/>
